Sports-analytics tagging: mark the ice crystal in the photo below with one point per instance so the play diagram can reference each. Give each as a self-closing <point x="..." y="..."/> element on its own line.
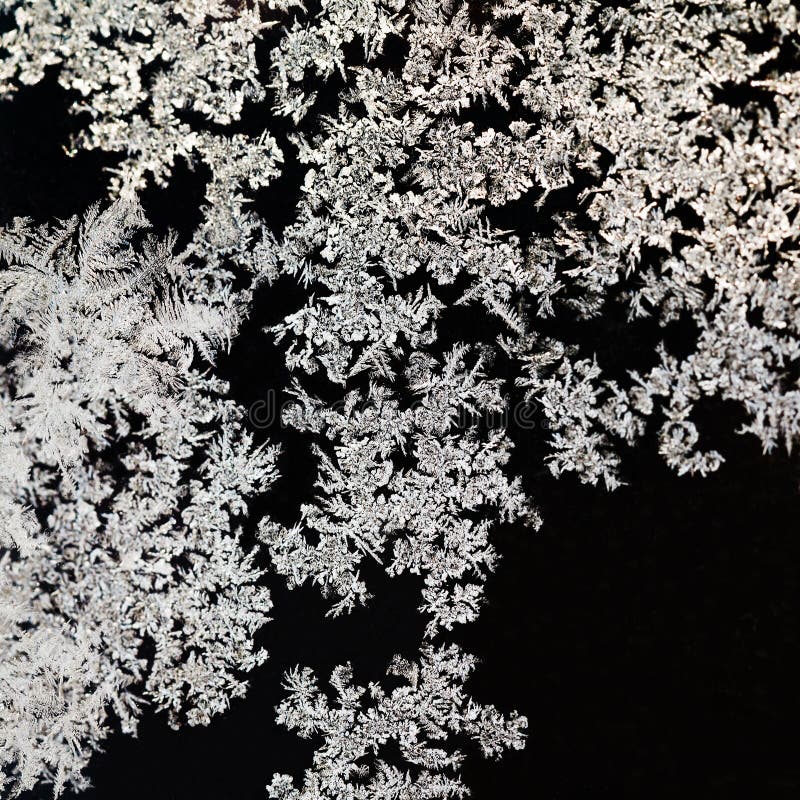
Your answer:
<point x="141" y="467"/>
<point x="544" y="166"/>
<point x="421" y="716"/>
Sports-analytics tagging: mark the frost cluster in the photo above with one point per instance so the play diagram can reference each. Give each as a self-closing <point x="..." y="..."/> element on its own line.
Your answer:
<point x="428" y="708"/>
<point x="686" y="119"/>
<point x="406" y="488"/>
<point x="570" y="177"/>
<point x="138" y="467"/>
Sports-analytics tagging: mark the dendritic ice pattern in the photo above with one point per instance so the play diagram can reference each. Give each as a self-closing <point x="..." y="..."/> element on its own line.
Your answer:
<point x="543" y="167"/>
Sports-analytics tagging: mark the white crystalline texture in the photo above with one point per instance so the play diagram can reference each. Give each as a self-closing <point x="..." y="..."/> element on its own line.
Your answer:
<point x="546" y="166"/>
<point x="422" y="717"/>
<point x="143" y="469"/>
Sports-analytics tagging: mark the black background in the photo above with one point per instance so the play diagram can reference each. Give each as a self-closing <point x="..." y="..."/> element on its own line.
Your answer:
<point x="650" y="635"/>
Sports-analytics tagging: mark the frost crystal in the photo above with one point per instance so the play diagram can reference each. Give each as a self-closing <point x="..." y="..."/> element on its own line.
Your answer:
<point x="421" y="716"/>
<point x="142" y="469"/>
<point x="568" y="178"/>
<point x="403" y="488"/>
